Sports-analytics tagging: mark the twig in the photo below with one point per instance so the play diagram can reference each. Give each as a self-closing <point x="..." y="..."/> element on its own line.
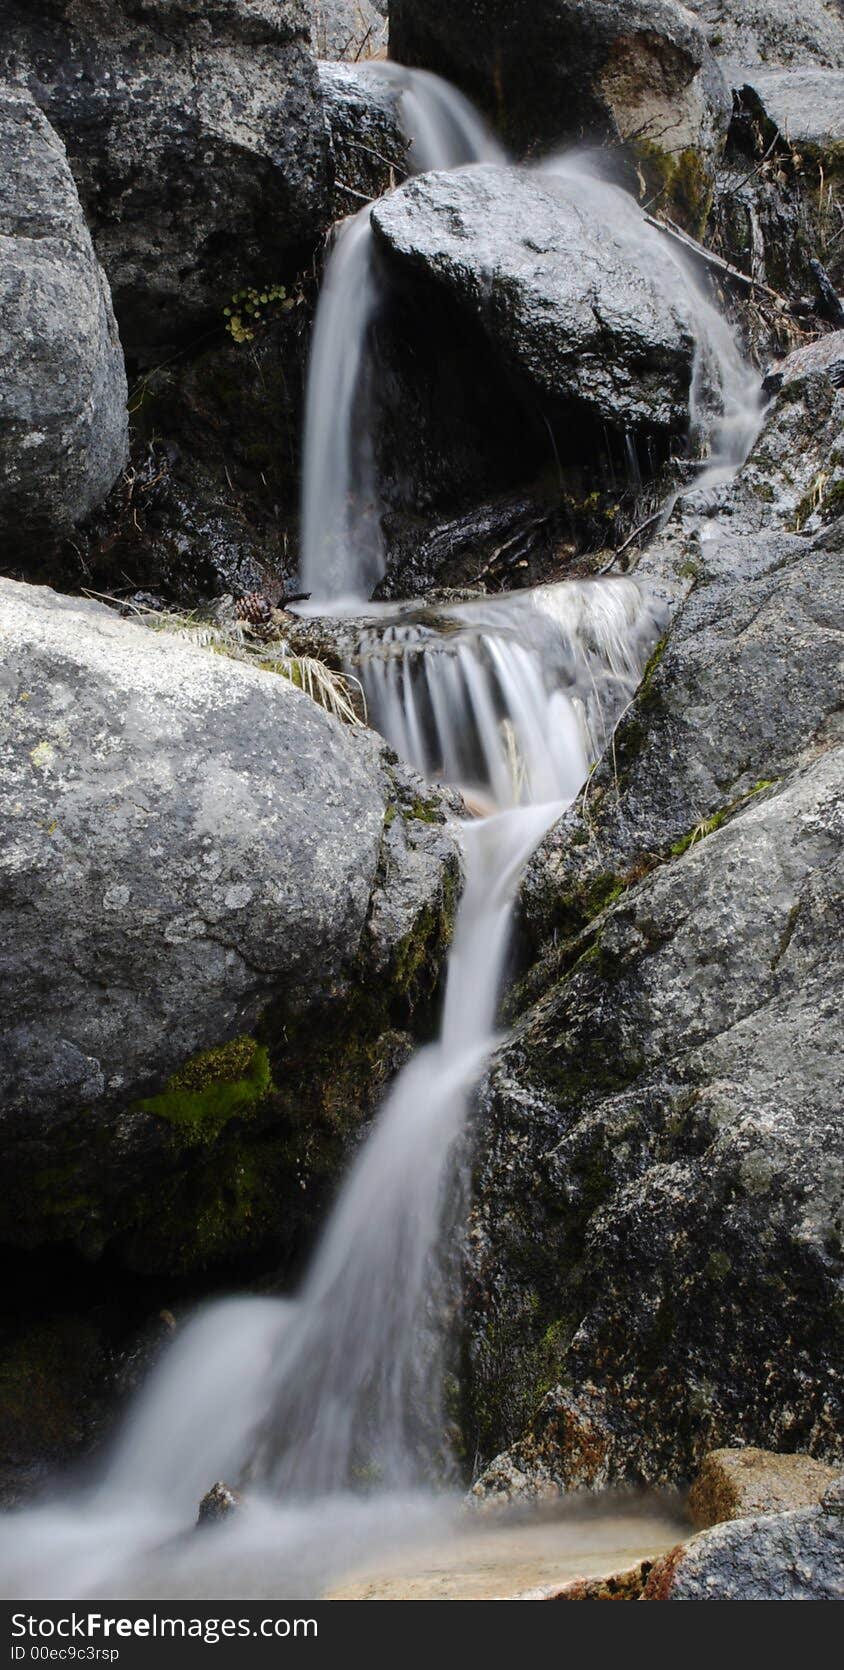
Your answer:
<point x="361" y="196"/>
<point x="717" y="262"/>
<point x="629" y="540"/>
<point x="753" y="172"/>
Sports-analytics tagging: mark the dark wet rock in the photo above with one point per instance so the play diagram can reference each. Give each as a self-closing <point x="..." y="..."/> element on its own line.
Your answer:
<point x="218" y="1503"/>
<point x="745" y="688"/>
<point x="512" y="541"/>
<point x="655" y="1254"/>
<point x="211" y="502"/>
<point x="772" y="33"/>
<point x="556" y="70"/>
<point x="63" y="424"/>
<point x="368" y="144"/>
<point x="578" y="307"/>
<point x="225" y="915"/>
<point x="348" y="29"/>
<point x="787" y="1556"/>
<point x="775" y="209"/>
<point x="197" y="141"/>
<point x="740" y="1484"/>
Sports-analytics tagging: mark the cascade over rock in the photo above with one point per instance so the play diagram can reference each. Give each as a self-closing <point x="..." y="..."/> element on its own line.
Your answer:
<point x="63" y="426"/>
<point x="211" y="888"/>
<point x="550" y="70"/>
<point x="196" y="140"/>
<point x="581" y="306"/>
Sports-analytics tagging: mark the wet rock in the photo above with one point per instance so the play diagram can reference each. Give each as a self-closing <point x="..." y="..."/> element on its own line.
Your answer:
<point x="218" y="1503"/>
<point x="62" y="380"/>
<point x="349" y="29"/>
<point x="225" y="914"/>
<point x="580" y="305"/>
<point x="772" y="33"/>
<point x="551" y="71"/>
<point x="651" y="1270"/>
<point x="368" y="144"/>
<point x="788" y="1556"/>
<point x="196" y="139"/>
<point x="740" y="1484"/>
<point x="719" y="701"/>
<point x="655" y="1253"/>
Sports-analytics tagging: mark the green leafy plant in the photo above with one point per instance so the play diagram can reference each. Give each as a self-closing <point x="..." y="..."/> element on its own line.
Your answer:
<point x="251" y="308"/>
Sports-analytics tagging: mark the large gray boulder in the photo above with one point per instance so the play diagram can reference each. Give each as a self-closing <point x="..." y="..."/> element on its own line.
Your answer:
<point x="655" y="1259"/>
<point x="552" y="70"/>
<point x="196" y="138"/>
<point x="573" y="291"/>
<point x="222" y="914"/>
<point x="773" y="33"/>
<point x="805" y="105"/>
<point x="63" y="424"/>
<point x="780" y="1556"/>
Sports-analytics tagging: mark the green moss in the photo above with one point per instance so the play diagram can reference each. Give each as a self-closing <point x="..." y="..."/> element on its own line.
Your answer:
<point x="679" y="182"/>
<point x="212" y="1088"/>
<point x="708" y="826"/>
<point x="426" y="811"/>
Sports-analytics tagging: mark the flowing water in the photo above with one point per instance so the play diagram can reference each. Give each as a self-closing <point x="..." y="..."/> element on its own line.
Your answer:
<point x="331" y="1405"/>
<point x="342" y="546"/>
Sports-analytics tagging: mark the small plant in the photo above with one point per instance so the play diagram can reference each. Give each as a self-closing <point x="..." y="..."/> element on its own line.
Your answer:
<point x="251" y="308"/>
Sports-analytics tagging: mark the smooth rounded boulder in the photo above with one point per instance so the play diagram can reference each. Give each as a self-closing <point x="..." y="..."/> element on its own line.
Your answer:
<point x="63" y="423"/>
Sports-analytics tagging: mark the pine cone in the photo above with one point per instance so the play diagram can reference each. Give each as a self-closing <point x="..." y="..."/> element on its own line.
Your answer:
<point x="255" y="608"/>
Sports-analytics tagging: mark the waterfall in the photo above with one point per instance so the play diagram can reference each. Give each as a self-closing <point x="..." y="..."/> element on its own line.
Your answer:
<point x="332" y="1403"/>
<point x="334" y="1399"/>
<point x="342" y="547"/>
<point x="342" y="543"/>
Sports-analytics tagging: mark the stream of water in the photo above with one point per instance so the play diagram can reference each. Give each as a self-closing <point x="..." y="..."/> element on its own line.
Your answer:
<point x="331" y="1404"/>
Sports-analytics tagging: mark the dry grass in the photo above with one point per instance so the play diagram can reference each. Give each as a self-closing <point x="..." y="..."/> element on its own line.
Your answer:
<point x="339" y="693"/>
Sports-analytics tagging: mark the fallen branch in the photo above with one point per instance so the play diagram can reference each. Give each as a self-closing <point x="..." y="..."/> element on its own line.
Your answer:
<point x="716" y="262"/>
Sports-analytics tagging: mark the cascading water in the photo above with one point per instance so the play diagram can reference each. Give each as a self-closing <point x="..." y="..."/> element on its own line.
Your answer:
<point x="331" y="1404"/>
<point x="342" y="547"/>
<point x="341" y="1389"/>
<point x="342" y="543"/>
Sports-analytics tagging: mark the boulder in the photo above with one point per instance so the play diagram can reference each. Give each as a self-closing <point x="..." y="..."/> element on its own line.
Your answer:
<point x="552" y="70"/>
<point x="576" y="295"/>
<point x="63" y="424"/>
<point x="805" y="106"/>
<point x="196" y="138"/>
<point x="348" y="29"/>
<point x="654" y="1261"/>
<point x="740" y="1484"/>
<point x="772" y="33"/>
<point x="224" y="915"/>
<point x="655" y="1256"/>
<point x="786" y="1556"/>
